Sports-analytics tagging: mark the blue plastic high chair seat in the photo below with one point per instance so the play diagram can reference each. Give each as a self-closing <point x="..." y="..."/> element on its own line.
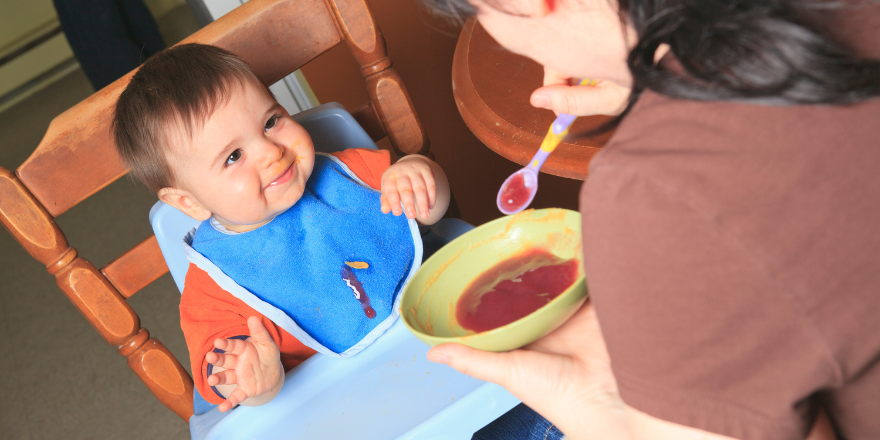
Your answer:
<point x="388" y="391"/>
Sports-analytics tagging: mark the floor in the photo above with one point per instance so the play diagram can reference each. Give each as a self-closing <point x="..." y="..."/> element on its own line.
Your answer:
<point x="60" y="378"/>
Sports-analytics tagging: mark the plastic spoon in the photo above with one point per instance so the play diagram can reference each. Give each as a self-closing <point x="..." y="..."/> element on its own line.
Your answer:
<point x="518" y="191"/>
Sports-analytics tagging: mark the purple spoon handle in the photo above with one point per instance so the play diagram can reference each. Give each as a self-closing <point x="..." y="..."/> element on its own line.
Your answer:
<point x="562" y="123"/>
<point x="538" y="161"/>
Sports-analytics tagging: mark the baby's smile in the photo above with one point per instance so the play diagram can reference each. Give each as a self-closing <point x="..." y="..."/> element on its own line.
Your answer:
<point x="284" y="177"/>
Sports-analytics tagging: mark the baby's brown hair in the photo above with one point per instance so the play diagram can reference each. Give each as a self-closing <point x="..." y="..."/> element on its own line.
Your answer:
<point x="178" y="88"/>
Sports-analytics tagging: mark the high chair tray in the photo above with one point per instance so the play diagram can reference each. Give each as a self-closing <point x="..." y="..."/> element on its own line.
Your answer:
<point x="388" y="391"/>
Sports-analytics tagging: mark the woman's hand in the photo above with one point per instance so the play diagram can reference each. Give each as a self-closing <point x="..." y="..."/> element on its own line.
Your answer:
<point x="561" y="95"/>
<point x="565" y="376"/>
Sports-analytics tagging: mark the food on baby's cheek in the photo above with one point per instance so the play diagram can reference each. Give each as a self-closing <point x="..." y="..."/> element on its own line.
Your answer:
<point x="515" y="194"/>
<point x="513" y="289"/>
<point x="358" y="264"/>
<point x="359" y="293"/>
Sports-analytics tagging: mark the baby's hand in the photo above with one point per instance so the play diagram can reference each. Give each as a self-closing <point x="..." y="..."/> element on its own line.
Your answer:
<point x="254" y="364"/>
<point x="411" y="182"/>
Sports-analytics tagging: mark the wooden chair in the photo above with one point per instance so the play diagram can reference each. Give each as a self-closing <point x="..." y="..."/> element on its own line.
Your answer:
<point x="276" y="37"/>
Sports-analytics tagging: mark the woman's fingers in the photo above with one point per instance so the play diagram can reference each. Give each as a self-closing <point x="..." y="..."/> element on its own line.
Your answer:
<point x="566" y="376"/>
<point x="604" y="98"/>
<point x="501" y="368"/>
<point x="579" y="336"/>
<point x="538" y="379"/>
<point x="554" y="78"/>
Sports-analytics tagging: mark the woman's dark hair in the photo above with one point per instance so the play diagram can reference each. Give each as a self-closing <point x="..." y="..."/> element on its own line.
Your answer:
<point x="762" y="51"/>
<point x="766" y="51"/>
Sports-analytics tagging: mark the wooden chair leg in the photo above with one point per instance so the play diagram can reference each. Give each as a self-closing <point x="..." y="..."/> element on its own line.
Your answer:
<point x="94" y="296"/>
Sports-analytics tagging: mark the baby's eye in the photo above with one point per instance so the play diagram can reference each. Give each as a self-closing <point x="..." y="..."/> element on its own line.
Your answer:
<point x="271" y="122"/>
<point x="233" y="158"/>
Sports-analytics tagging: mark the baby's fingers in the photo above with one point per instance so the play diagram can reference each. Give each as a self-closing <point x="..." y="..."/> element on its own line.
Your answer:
<point x="231" y="346"/>
<point x="422" y="195"/>
<point x="236" y="397"/>
<point x="384" y="206"/>
<point x="430" y="187"/>
<point x="258" y="331"/>
<point x="406" y="190"/>
<point x="225" y="377"/>
<point x="392" y="196"/>
<point x="223" y="360"/>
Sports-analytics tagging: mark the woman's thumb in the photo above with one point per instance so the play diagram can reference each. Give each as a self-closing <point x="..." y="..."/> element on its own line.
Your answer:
<point x="604" y="98"/>
<point x="483" y="365"/>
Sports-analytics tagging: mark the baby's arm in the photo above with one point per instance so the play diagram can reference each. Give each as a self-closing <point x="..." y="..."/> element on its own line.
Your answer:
<point x="250" y="371"/>
<point x="420" y="185"/>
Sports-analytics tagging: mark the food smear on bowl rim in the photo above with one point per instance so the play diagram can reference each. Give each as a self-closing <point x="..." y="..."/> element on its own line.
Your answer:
<point x="515" y="193"/>
<point x="514" y="288"/>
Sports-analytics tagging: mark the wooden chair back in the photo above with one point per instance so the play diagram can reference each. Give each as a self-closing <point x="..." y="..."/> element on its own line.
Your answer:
<point x="76" y="158"/>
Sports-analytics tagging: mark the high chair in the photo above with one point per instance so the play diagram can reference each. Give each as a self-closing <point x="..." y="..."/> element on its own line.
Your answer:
<point x="388" y="391"/>
<point x="276" y="37"/>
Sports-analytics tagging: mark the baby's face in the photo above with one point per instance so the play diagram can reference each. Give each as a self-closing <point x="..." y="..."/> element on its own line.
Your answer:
<point x="248" y="163"/>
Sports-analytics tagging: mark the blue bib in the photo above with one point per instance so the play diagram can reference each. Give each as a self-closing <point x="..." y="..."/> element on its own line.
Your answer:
<point x="293" y="269"/>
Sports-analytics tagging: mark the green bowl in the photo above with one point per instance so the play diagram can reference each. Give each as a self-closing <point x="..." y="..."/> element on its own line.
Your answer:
<point x="429" y="300"/>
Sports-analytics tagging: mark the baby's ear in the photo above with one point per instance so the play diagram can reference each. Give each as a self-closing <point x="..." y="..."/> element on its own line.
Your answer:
<point x="185" y="202"/>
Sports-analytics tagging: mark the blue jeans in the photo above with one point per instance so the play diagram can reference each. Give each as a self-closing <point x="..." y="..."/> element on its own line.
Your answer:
<point x="520" y="423"/>
<point x="109" y="37"/>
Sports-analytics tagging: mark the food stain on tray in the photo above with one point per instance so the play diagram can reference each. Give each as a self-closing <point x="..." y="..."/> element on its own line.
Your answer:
<point x="359" y="293"/>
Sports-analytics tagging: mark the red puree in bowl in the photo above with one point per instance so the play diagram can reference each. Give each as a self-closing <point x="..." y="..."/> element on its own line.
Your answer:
<point x="515" y="193"/>
<point x="514" y="288"/>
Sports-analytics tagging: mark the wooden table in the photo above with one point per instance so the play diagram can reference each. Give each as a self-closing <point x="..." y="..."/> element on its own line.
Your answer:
<point x="492" y="86"/>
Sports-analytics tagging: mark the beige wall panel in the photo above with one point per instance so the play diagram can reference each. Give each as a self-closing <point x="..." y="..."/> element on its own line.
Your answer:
<point x="22" y="20"/>
<point x="31" y="64"/>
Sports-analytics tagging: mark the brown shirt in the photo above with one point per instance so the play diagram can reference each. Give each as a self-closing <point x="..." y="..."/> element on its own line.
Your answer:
<point x="732" y="252"/>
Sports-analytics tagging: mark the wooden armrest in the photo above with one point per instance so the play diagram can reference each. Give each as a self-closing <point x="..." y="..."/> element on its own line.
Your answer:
<point x="140" y="266"/>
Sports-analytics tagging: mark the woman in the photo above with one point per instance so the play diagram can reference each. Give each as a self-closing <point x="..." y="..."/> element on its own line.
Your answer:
<point x="730" y="226"/>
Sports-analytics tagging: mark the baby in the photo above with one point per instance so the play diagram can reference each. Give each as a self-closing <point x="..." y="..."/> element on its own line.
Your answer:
<point x="295" y="253"/>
